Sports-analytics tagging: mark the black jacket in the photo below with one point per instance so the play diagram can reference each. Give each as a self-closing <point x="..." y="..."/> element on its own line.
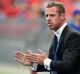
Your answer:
<point x="68" y="54"/>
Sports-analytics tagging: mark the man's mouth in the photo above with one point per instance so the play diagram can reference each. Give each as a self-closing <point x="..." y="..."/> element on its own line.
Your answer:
<point x="49" y="23"/>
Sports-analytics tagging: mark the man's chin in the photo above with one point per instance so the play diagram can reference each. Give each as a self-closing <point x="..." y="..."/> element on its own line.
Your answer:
<point x="51" y="28"/>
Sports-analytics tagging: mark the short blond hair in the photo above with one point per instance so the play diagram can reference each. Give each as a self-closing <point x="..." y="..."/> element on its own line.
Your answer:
<point x="58" y="5"/>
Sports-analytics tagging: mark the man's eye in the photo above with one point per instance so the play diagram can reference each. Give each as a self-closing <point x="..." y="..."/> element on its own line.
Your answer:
<point x="46" y="15"/>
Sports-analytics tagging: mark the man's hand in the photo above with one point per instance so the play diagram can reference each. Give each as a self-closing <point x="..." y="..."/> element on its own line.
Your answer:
<point x="21" y="57"/>
<point x="37" y="58"/>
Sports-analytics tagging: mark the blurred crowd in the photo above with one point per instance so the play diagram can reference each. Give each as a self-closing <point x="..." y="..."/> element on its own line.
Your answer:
<point x="18" y="17"/>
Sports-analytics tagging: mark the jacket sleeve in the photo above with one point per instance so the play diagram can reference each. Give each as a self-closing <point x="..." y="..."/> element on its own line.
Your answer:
<point x="41" y="68"/>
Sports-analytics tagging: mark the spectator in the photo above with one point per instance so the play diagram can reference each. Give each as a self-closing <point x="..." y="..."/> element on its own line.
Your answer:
<point x="75" y="23"/>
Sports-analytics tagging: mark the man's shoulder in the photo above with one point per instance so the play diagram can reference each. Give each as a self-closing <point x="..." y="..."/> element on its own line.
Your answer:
<point x="70" y="33"/>
<point x="73" y="31"/>
<point x="70" y="30"/>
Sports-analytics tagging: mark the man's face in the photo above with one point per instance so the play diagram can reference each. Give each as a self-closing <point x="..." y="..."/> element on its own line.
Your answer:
<point x="53" y="18"/>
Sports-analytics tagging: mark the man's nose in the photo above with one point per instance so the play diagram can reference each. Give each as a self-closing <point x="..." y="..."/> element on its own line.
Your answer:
<point x="48" y="18"/>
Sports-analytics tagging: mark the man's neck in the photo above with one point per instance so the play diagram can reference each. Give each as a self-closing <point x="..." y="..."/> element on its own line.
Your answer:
<point x="59" y="31"/>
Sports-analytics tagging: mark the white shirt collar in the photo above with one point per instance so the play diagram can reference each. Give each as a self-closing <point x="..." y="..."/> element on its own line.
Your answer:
<point x="59" y="31"/>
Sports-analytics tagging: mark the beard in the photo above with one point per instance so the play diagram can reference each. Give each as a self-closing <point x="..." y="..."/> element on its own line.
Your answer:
<point x="51" y="27"/>
<point x="55" y="28"/>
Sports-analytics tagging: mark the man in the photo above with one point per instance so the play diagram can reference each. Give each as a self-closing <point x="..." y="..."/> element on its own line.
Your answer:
<point x="75" y="21"/>
<point x="64" y="53"/>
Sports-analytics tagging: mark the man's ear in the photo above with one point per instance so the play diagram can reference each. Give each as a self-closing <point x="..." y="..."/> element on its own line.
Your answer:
<point x="63" y="16"/>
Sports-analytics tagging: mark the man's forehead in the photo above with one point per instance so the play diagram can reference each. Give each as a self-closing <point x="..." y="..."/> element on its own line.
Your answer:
<point x="51" y="8"/>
